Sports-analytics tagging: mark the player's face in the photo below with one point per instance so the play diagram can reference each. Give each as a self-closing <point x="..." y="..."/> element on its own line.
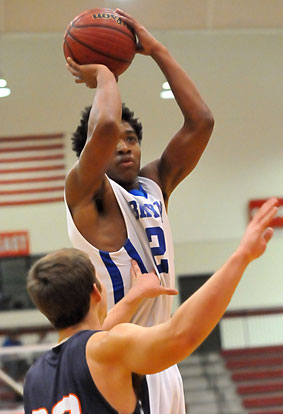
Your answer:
<point x="125" y="165"/>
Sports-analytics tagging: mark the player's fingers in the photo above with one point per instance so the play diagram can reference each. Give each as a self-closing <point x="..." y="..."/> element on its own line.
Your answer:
<point x="70" y="69"/>
<point x="123" y="13"/>
<point x="135" y="270"/>
<point x="153" y="274"/>
<point x="169" y="291"/>
<point x="265" y="220"/>
<point x="266" y="208"/>
<point x="268" y="234"/>
<point x="132" y="271"/>
<point x="126" y="18"/>
<point x="73" y="71"/>
<point x="72" y="63"/>
<point x="129" y="22"/>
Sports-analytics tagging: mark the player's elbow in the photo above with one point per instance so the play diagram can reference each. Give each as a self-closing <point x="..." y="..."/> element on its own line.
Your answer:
<point x="205" y="122"/>
<point x="108" y="126"/>
<point x="209" y="120"/>
<point x="202" y="122"/>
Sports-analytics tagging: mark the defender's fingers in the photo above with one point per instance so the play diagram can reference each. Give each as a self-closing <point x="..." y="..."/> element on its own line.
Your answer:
<point x="169" y="291"/>
<point x="132" y="272"/>
<point x="152" y="274"/>
<point x="135" y="270"/>
<point x="268" y="234"/>
<point x="268" y="216"/>
<point x="265" y="208"/>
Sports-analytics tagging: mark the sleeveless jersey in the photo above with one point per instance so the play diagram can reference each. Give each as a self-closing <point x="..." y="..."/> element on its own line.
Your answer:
<point x="149" y="242"/>
<point x="60" y="382"/>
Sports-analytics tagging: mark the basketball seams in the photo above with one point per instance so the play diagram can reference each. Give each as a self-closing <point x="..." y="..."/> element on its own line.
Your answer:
<point x="71" y="35"/>
<point x="93" y="37"/>
<point x="79" y="17"/>
<point x="67" y="45"/>
<point x="131" y="36"/>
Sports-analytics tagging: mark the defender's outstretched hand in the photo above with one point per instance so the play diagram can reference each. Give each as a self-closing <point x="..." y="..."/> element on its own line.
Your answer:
<point x="146" y="42"/>
<point x="148" y="285"/>
<point x="144" y="286"/>
<point x="258" y="232"/>
<point x="85" y="73"/>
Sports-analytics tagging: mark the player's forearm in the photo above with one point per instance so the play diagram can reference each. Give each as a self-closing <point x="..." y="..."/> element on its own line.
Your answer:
<point x="124" y="310"/>
<point x="107" y="105"/>
<point x="197" y="316"/>
<point x="174" y="340"/>
<point x="150" y="350"/>
<point x="186" y="94"/>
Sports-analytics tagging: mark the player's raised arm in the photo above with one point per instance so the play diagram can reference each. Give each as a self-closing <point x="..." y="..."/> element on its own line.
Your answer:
<point x="86" y="178"/>
<point x="149" y="350"/>
<point x="144" y="286"/>
<point x="185" y="149"/>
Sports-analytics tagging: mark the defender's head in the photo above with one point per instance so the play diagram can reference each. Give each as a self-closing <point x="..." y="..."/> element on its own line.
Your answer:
<point x="60" y="285"/>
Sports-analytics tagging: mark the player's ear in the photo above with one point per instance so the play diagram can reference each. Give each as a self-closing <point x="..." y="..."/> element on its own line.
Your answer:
<point x="96" y="293"/>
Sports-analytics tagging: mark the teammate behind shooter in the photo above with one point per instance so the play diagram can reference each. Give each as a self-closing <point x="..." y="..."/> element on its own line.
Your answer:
<point x="90" y="371"/>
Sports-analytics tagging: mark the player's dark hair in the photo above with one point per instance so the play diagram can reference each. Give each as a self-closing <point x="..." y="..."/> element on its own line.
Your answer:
<point x="128" y="116"/>
<point x="79" y="137"/>
<point x="60" y="285"/>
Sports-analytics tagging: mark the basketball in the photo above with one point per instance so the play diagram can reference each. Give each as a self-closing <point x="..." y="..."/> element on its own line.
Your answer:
<point x="100" y="36"/>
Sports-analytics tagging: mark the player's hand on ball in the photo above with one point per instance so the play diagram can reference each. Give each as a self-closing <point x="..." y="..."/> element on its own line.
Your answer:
<point x="85" y="73"/>
<point x="146" y="42"/>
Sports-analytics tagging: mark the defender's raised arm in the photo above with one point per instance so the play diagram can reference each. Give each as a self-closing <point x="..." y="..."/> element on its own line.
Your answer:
<point x="150" y="350"/>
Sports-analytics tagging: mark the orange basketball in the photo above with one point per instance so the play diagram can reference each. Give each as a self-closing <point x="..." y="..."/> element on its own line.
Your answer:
<point x="100" y="36"/>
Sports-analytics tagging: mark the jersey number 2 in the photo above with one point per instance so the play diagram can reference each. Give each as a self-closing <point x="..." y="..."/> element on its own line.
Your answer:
<point x="158" y="250"/>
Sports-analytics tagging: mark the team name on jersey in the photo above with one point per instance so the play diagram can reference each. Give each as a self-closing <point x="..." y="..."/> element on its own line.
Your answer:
<point x="142" y="210"/>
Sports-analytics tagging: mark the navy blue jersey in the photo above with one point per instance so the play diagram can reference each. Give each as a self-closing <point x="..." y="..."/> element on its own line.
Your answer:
<point x="60" y="382"/>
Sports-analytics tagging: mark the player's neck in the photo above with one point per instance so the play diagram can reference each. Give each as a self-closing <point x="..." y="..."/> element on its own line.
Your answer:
<point x="135" y="185"/>
<point x="90" y="322"/>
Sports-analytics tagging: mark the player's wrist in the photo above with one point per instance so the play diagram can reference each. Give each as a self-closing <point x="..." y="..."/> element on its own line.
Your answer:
<point x="157" y="50"/>
<point x="103" y="70"/>
<point x="242" y="256"/>
<point x="104" y="75"/>
<point x="135" y="296"/>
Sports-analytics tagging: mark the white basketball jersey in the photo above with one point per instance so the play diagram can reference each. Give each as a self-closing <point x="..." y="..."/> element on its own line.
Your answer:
<point x="149" y="242"/>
